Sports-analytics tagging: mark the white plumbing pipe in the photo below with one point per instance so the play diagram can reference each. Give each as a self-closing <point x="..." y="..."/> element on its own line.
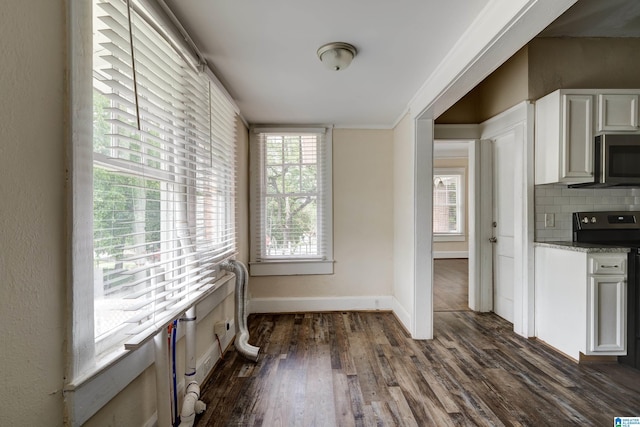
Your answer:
<point x="189" y="321"/>
<point x="191" y="405"/>
<point x="242" y="283"/>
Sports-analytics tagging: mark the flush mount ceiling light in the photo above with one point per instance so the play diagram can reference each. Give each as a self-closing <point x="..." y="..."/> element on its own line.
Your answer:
<point x="337" y="56"/>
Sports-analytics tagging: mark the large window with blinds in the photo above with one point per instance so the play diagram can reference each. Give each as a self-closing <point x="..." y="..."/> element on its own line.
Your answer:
<point x="163" y="178"/>
<point x="291" y="195"/>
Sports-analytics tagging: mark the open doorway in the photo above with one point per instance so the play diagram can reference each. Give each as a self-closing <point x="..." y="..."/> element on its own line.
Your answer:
<point x="450" y="226"/>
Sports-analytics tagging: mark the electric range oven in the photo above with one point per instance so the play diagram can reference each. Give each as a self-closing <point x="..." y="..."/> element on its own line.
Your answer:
<point x="620" y="229"/>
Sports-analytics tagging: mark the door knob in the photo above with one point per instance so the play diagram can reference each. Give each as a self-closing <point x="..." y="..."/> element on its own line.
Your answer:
<point x="493" y="239"/>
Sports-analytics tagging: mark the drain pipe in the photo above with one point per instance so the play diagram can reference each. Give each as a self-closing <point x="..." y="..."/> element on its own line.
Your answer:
<point x="191" y="405"/>
<point x="242" y="283"/>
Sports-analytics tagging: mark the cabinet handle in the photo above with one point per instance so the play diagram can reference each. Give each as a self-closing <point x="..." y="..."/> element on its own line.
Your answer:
<point x="609" y="266"/>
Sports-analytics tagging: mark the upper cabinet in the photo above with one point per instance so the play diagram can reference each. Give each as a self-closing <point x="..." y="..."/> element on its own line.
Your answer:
<point x="617" y="112"/>
<point x="565" y="124"/>
<point x="564" y="138"/>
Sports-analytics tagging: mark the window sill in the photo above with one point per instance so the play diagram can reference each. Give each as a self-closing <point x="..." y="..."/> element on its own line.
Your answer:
<point x="449" y="238"/>
<point x="290" y="268"/>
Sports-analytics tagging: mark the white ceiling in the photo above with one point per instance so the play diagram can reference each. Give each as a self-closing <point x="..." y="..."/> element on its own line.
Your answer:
<point x="264" y="51"/>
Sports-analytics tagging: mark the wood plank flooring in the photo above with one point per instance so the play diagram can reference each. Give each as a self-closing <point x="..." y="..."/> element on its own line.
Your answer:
<point x="451" y="284"/>
<point x="362" y="369"/>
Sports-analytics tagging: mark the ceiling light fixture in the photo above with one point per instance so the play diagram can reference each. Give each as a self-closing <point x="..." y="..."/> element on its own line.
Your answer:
<point x="337" y="55"/>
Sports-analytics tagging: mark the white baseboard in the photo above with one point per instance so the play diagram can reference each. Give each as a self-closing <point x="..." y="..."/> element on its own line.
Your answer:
<point x="450" y="254"/>
<point x="293" y="305"/>
<point x="402" y="314"/>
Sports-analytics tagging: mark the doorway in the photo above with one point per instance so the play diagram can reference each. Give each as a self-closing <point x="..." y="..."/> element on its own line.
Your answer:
<point x="451" y="225"/>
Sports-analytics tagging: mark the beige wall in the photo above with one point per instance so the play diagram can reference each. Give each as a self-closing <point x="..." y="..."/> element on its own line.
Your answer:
<point x="363" y="223"/>
<point x="583" y="63"/>
<point x="455" y="162"/>
<point x="32" y="212"/>
<point x="403" y="221"/>
<point x="547" y="64"/>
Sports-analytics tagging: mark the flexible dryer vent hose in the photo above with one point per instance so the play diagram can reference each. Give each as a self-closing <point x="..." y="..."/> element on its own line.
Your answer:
<point x="242" y="336"/>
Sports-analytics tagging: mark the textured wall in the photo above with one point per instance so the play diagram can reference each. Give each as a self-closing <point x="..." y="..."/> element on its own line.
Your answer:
<point x="32" y="212"/>
<point x="505" y="87"/>
<point x="363" y="223"/>
<point x="583" y="63"/>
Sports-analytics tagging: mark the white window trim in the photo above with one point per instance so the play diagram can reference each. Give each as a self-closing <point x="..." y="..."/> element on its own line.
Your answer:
<point x="293" y="266"/>
<point x="90" y="384"/>
<point x="461" y="236"/>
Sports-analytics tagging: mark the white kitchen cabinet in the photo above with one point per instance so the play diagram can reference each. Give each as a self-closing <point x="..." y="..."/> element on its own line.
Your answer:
<point x="581" y="301"/>
<point x="606" y="327"/>
<point x="617" y="112"/>
<point x="564" y="138"/>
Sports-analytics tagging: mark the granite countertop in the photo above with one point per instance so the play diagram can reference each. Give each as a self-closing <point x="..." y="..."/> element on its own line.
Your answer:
<point x="583" y="247"/>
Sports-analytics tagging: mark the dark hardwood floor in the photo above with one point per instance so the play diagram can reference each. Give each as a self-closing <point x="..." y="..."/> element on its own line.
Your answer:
<point x="451" y="284"/>
<point x="362" y="369"/>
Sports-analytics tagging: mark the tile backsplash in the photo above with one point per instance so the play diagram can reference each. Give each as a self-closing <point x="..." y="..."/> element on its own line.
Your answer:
<point x="561" y="202"/>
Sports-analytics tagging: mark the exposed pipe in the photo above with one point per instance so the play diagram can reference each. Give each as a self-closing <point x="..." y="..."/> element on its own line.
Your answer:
<point x="191" y="405"/>
<point x="174" y="335"/>
<point x="242" y="336"/>
<point x="163" y="396"/>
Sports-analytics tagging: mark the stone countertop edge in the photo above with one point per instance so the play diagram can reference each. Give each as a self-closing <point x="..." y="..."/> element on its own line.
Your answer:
<point x="582" y="247"/>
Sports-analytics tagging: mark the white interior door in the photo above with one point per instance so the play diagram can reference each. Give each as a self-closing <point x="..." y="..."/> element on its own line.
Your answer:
<point x="504" y="156"/>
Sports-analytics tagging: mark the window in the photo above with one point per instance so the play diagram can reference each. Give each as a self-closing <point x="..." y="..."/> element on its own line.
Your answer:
<point x="163" y="179"/>
<point x="291" y="192"/>
<point x="448" y="204"/>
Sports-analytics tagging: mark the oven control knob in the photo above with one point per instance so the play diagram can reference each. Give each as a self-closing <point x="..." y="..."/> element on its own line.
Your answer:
<point x="593" y="219"/>
<point x="585" y="220"/>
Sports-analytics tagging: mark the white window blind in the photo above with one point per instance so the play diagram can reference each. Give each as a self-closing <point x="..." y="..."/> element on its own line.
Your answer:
<point x="448" y="196"/>
<point x="163" y="178"/>
<point x="292" y="196"/>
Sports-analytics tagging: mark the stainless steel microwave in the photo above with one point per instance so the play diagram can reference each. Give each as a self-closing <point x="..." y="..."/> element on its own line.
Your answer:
<point x="617" y="159"/>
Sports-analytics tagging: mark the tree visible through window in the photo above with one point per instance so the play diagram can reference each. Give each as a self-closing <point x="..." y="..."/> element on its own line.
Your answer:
<point x="448" y="198"/>
<point x="291" y="192"/>
<point x="291" y="195"/>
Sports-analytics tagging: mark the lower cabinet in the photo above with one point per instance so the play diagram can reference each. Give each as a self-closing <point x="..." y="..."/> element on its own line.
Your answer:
<point x="581" y="301"/>
<point x="606" y="299"/>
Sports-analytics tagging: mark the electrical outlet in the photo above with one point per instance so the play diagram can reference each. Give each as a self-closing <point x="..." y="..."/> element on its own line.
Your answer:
<point x="220" y="328"/>
<point x="549" y="220"/>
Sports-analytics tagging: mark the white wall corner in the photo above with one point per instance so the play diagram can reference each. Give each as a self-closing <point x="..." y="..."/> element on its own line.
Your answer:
<point x="401" y="313"/>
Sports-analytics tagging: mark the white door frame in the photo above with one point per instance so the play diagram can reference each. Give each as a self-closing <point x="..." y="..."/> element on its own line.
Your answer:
<point x="518" y="119"/>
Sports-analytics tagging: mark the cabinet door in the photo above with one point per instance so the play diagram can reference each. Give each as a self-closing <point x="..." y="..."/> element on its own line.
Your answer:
<point x="606" y="329"/>
<point x="577" y="139"/>
<point x="617" y="112"/>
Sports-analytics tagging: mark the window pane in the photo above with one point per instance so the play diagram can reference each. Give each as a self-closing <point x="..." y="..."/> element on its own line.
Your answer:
<point x="275" y="183"/>
<point x="274" y="151"/>
<point x="292" y="180"/>
<point x="291" y="226"/>
<point x="446" y="204"/>
<point x="289" y="207"/>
